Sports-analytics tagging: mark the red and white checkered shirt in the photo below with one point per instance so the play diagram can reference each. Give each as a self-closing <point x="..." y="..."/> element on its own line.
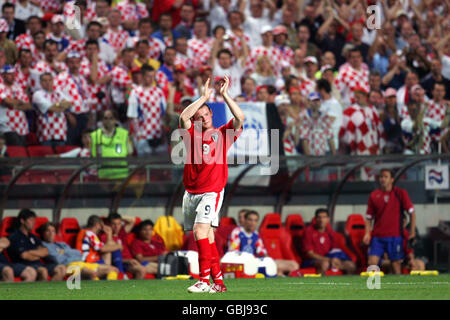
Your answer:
<point x="236" y="40"/>
<point x="50" y="5"/>
<point x="25" y="41"/>
<point x="50" y="125"/>
<point x="156" y="46"/>
<point x="102" y="70"/>
<point x="184" y="60"/>
<point x="436" y="112"/>
<point x="116" y="39"/>
<point x="347" y="79"/>
<point x="288" y="54"/>
<point x="148" y="106"/>
<point x="317" y="131"/>
<point x="275" y="55"/>
<point x="307" y="86"/>
<point x="73" y="89"/>
<point x="132" y="11"/>
<point x="161" y="79"/>
<point x="89" y="245"/>
<point x="423" y="132"/>
<point x="42" y="67"/>
<point x="199" y="51"/>
<point x="120" y="80"/>
<point x="77" y="46"/>
<point x="15" y="120"/>
<point x="22" y="79"/>
<point x="362" y="130"/>
<point x="89" y="14"/>
<point x="289" y="141"/>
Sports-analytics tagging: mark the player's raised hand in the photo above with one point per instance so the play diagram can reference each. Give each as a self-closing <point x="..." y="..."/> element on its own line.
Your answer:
<point x="207" y="91"/>
<point x="225" y="85"/>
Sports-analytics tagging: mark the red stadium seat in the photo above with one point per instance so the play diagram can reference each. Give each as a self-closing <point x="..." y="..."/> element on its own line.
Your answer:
<point x="270" y="232"/>
<point x="17" y="152"/>
<point x="355" y="230"/>
<point x="40" y="151"/>
<point x="227" y="221"/>
<point x="68" y="230"/>
<point x="341" y="243"/>
<point x="39" y="222"/>
<point x="276" y="240"/>
<point x="63" y="149"/>
<point x="296" y="227"/>
<point x="7" y="226"/>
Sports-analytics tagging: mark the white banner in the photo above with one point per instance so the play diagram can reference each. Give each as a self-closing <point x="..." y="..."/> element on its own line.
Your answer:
<point x="254" y="138"/>
<point x="436" y="177"/>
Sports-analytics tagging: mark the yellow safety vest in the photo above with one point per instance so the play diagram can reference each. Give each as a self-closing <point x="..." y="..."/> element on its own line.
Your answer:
<point x="114" y="147"/>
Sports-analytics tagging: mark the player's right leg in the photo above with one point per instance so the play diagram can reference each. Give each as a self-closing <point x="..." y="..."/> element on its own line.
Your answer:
<point x="193" y="221"/>
<point x="201" y="231"/>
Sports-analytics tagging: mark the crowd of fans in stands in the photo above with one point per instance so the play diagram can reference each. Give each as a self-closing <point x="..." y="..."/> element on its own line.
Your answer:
<point x="339" y="86"/>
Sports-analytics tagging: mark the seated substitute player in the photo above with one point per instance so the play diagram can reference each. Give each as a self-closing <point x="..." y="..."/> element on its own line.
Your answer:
<point x="386" y="206"/>
<point x="10" y="270"/>
<point x="121" y="226"/>
<point x="27" y="249"/>
<point x="95" y="251"/>
<point x="147" y="247"/>
<point x="319" y="247"/>
<point x="205" y="180"/>
<point x="62" y="253"/>
<point x="245" y="238"/>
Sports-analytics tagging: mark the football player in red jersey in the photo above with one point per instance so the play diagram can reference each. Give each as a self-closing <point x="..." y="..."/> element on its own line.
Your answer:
<point x="385" y="206"/>
<point x="205" y="176"/>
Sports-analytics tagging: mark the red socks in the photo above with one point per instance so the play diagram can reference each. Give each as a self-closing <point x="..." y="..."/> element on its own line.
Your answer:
<point x="215" y="265"/>
<point x="204" y="259"/>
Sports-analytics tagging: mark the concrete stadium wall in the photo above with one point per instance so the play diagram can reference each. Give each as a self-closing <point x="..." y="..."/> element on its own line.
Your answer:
<point x="428" y="215"/>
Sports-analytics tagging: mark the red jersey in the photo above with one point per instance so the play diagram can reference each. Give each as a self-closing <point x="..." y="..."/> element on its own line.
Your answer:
<point x="155" y="248"/>
<point x="385" y="208"/>
<point x="319" y="242"/>
<point x="122" y="239"/>
<point x="206" y="168"/>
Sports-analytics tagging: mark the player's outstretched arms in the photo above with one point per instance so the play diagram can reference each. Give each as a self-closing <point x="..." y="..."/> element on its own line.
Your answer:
<point x="190" y="110"/>
<point x="239" y="117"/>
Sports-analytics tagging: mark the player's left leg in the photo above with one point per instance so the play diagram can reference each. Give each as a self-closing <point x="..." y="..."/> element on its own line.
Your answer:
<point x="216" y="272"/>
<point x="395" y="253"/>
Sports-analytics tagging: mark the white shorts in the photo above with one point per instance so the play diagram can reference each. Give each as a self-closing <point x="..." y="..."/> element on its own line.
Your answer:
<point x="201" y="208"/>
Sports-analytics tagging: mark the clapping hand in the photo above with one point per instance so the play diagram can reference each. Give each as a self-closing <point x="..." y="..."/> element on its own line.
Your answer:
<point x="224" y="86"/>
<point x="206" y="92"/>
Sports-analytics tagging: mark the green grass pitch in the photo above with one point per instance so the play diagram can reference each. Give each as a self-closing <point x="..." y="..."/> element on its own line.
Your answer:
<point x="332" y="287"/>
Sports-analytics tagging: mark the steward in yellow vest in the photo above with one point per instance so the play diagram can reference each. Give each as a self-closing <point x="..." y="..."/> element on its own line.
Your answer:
<point x="111" y="142"/>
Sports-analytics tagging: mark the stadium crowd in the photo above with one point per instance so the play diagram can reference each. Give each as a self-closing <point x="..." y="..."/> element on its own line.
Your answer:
<point x="339" y="84"/>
